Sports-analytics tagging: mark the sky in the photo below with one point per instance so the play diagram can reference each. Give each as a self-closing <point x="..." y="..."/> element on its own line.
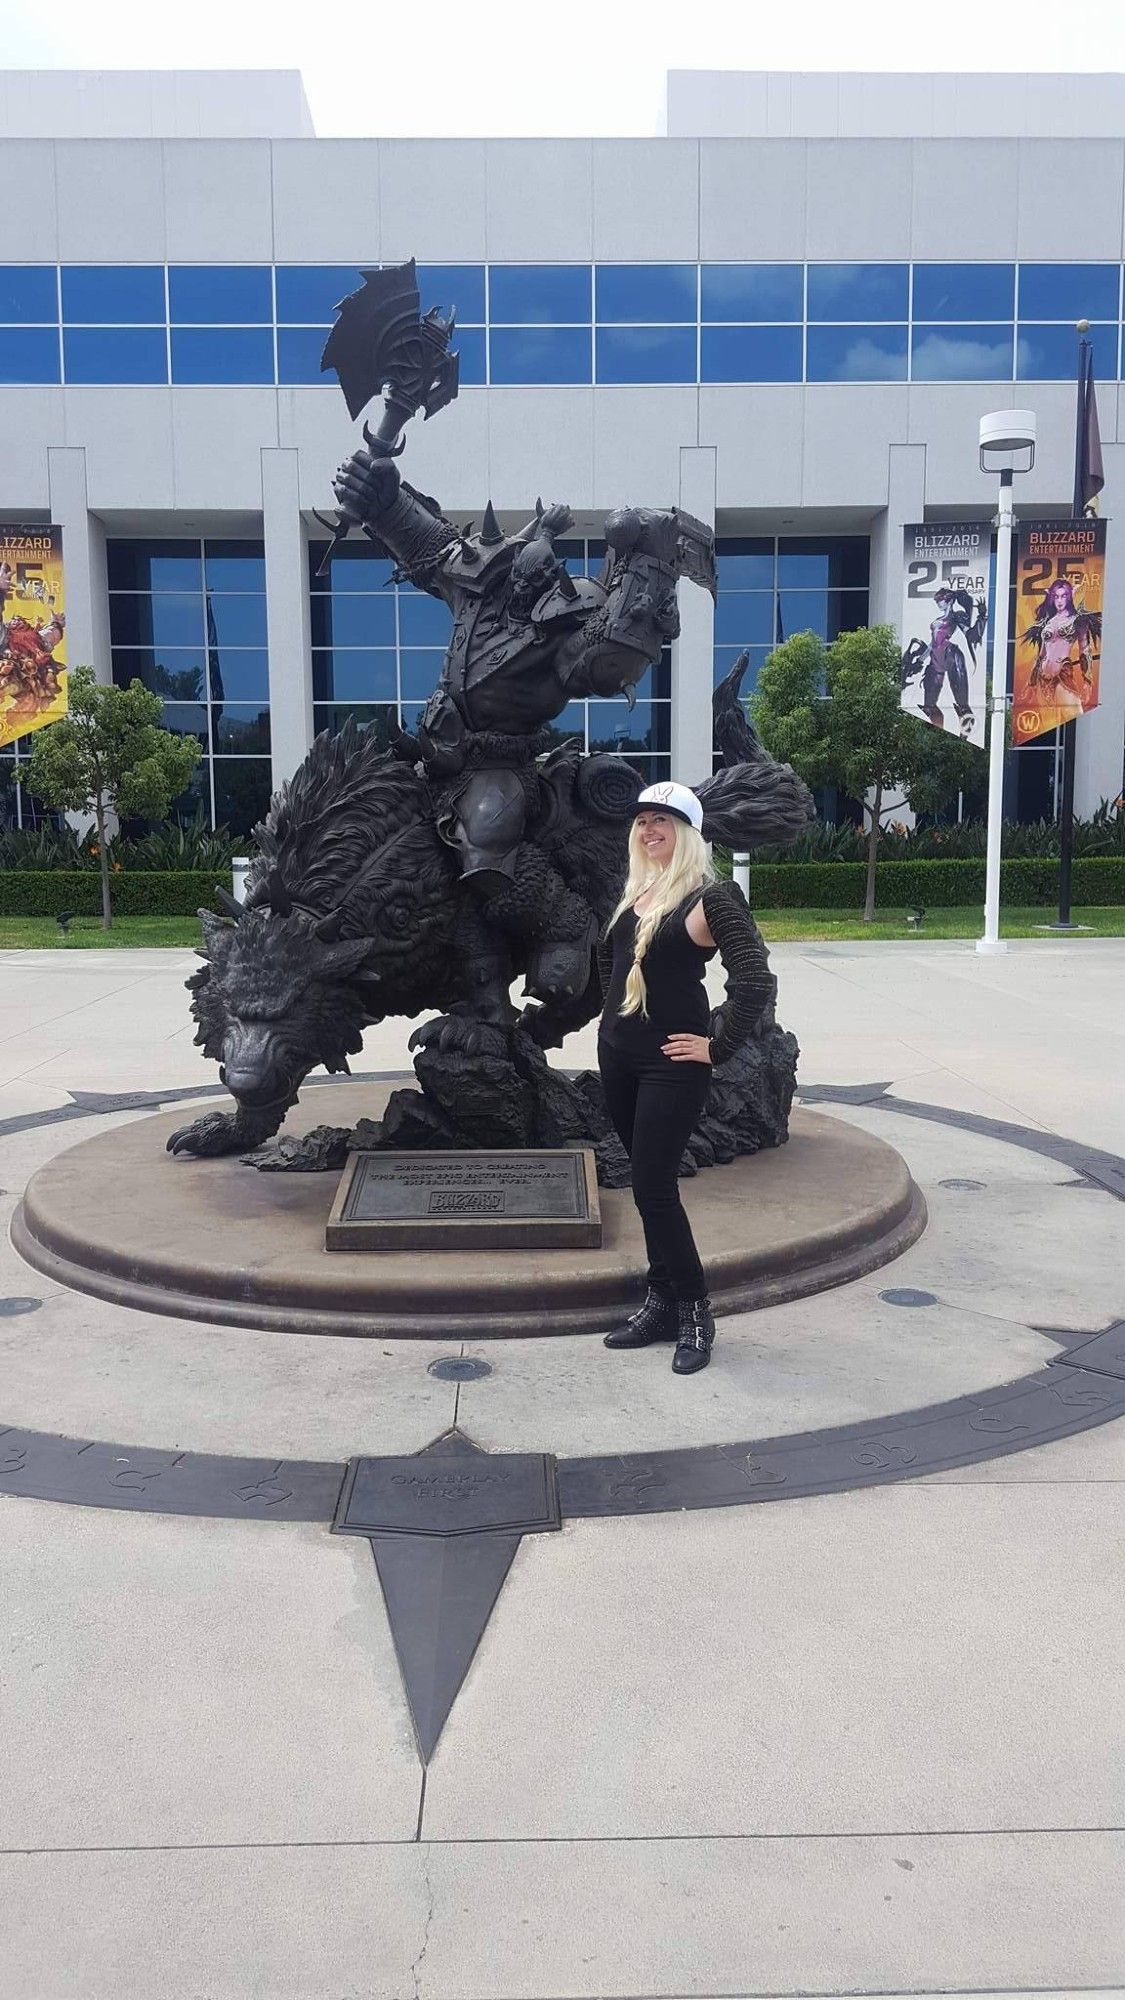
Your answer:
<point x="514" y="67"/>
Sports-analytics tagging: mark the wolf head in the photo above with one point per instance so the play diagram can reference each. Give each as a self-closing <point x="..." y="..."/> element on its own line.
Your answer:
<point x="349" y="916"/>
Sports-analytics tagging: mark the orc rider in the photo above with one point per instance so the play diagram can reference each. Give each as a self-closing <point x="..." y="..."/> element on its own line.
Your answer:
<point x="527" y="638"/>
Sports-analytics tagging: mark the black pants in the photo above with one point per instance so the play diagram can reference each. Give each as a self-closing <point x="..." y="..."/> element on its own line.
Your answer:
<point x="654" y="1104"/>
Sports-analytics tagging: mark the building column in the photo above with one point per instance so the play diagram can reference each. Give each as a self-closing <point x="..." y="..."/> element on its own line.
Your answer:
<point x="1100" y="736"/>
<point x="693" y="653"/>
<point x="906" y="501"/>
<point x="84" y="562"/>
<point x="287" y="613"/>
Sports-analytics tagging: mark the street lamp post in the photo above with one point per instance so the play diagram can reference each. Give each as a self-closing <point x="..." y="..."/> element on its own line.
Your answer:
<point x="1007" y="437"/>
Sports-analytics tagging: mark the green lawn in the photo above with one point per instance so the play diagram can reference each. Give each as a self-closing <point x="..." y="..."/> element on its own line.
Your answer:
<point x="778" y="926"/>
<point x="785" y="926"/>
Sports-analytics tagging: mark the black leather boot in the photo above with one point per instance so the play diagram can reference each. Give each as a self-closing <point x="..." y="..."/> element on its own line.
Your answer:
<point x="655" y="1320"/>
<point x="696" y="1336"/>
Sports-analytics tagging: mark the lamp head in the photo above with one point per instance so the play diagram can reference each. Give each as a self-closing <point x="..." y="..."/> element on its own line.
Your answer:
<point x="1006" y="437"/>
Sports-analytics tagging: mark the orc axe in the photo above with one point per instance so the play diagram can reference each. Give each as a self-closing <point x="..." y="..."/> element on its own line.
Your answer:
<point x="383" y="342"/>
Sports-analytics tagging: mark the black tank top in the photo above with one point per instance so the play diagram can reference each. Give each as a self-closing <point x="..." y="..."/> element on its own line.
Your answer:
<point x="673" y="968"/>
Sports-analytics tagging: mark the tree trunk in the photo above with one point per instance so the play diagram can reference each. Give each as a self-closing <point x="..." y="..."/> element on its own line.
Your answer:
<point x="872" y="848"/>
<point x="103" y="859"/>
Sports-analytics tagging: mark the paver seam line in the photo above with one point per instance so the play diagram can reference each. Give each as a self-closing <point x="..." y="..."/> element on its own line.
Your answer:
<point x="581" y="1840"/>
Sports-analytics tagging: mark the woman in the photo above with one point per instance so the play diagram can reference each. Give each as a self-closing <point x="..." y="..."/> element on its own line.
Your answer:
<point x="1066" y="639"/>
<point x="657" y="1043"/>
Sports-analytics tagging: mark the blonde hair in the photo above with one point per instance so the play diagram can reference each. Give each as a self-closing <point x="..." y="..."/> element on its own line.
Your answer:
<point x="690" y="868"/>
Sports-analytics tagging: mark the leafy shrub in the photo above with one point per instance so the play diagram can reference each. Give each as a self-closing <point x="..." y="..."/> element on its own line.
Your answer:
<point x="151" y="893"/>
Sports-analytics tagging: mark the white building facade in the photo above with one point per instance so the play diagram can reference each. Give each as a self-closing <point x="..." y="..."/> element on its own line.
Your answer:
<point x="786" y="316"/>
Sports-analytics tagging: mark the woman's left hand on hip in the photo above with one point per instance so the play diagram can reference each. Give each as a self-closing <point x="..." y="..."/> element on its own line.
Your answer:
<point x="687" y="1048"/>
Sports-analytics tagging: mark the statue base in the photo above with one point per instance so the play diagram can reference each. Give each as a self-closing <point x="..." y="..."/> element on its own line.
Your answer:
<point x="211" y="1240"/>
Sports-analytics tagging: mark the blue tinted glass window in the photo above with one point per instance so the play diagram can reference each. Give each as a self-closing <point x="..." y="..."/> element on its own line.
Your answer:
<point x="824" y="563"/>
<point x="238" y="675"/>
<point x="299" y="349"/>
<point x="176" y="676"/>
<point x="234" y="565"/>
<point x="1050" y="353"/>
<point x="745" y="563"/>
<point x="419" y="672"/>
<point x="828" y="612"/>
<point x="750" y="354"/>
<point x="469" y="343"/>
<point x="752" y="292"/>
<point x="856" y="354"/>
<point x="236" y="621"/>
<point x="539" y="294"/>
<point x="614" y="726"/>
<point x="115" y="354"/>
<point x="222" y="354"/>
<point x="1068" y="291"/>
<point x="744" y="618"/>
<point x="29" y="354"/>
<point x="308" y="294"/>
<point x="162" y="621"/>
<point x="858" y="291"/>
<point x="354" y="567"/>
<point x="645" y="294"/>
<point x="242" y="791"/>
<point x="365" y="674"/>
<point x="458" y="285"/>
<point x="220" y="294"/>
<point x="28" y="292"/>
<point x="570" y="725"/>
<point x="540" y="354"/>
<point x="240" y="731"/>
<point x="113" y="294"/>
<point x="154" y="566"/>
<point x="354" y="621"/>
<point x="963" y="291"/>
<point x="646" y="354"/>
<point x="185" y="719"/>
<point x="422" y="620"/>
<point x="962" y="354"/>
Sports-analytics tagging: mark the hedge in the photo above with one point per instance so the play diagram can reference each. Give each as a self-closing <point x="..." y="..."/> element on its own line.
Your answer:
<point x="813" y="885"/>
<point x="145" y="893"/>
<point x="791" y="885"/>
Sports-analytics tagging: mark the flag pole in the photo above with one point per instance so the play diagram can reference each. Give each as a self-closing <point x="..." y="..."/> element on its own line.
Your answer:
<point x="1070" y="729"/>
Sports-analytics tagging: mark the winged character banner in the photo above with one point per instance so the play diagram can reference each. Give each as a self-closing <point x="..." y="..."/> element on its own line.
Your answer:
<point x="944" y="625"/>
<point x="32" y="630"/>
<point x="1060" y="584"/>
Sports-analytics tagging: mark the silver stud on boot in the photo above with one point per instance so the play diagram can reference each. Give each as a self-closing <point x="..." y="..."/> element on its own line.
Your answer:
<point x="696" y="1336"/>
<point x="655" y="1320"/>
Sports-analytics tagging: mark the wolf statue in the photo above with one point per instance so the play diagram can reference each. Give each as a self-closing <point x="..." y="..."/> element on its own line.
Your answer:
<point x="355" y="910"/>
<point x="436" y="873"/>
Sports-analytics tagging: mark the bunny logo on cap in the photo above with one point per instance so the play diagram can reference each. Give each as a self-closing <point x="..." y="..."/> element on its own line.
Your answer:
<point x="668" y="797"/>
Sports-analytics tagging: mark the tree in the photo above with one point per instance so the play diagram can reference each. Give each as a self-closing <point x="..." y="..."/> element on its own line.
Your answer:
<point x="108" y="755"/>
<point x="833" y="713"/>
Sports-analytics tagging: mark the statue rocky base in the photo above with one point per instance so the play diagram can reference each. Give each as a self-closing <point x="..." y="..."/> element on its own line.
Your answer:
<point x="506" y="1094"/>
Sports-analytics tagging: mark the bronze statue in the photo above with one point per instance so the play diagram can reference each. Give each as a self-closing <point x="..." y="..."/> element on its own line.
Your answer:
<point x="436" y="873"/>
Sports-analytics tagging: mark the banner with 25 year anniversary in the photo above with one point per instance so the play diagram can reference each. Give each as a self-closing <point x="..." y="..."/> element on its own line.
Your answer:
<point x="32" y="630"/>
<point x="944" y="622"/>
<point x="1060" y="585"/>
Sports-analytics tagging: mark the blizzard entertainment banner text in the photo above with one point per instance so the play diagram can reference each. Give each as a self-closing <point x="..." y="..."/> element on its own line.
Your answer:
<point x="944" y="621"/>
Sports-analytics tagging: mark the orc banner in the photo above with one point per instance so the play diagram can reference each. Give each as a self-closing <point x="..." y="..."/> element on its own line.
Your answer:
<point x="32" y="630"/>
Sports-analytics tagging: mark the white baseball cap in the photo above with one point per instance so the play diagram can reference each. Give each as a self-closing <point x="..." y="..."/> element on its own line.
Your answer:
<point x="670" y="798"/>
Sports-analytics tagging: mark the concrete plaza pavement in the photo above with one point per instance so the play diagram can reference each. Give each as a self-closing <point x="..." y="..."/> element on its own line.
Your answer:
<point x="872" y="1742"/>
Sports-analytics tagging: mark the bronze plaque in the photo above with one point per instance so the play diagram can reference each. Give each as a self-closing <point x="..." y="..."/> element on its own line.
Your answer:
<point x="458" y="1201"/>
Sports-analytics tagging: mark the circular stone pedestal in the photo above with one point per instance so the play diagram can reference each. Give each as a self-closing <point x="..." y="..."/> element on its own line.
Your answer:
<point x="214" y="1240"/>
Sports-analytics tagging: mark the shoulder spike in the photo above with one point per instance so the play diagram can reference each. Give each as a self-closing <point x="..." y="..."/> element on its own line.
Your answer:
<point x="490" y="530"/>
